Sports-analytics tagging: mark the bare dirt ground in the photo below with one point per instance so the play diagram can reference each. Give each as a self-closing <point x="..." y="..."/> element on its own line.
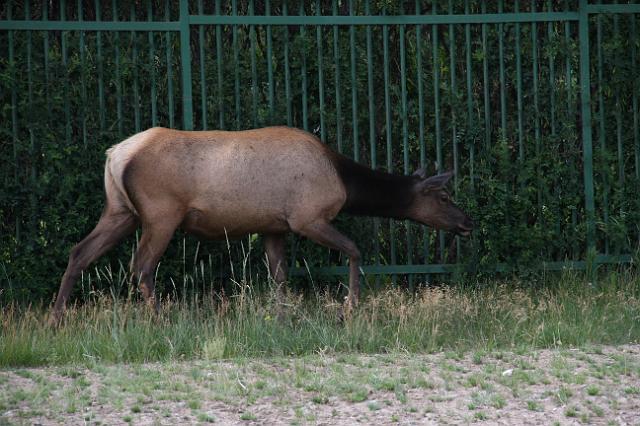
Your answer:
<point x="596" y="385"/>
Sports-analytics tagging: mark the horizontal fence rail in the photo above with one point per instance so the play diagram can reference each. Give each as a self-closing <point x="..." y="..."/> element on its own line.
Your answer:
<point x="532" y="104"/>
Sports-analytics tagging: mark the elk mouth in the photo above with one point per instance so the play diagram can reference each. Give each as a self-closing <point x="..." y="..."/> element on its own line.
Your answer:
<point x="464" y="231"/>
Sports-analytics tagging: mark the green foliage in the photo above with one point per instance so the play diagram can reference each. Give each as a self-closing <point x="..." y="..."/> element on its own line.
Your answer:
<point x="67" y="96"/>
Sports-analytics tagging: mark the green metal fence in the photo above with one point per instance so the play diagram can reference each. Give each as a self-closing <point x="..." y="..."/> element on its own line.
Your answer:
<point x="537" y="100"/>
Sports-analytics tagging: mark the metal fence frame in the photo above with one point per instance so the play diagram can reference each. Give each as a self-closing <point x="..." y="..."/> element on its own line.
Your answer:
<point x="187" y="21"/>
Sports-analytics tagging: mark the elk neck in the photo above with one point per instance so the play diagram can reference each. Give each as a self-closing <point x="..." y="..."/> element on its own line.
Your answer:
<point x="372" y="192"/>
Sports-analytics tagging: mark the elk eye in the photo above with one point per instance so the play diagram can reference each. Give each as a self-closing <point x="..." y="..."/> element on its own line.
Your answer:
<point x="444" y="198"/>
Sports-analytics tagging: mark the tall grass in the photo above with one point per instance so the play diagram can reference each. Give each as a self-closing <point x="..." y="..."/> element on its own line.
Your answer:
<point x="564" y="310"/>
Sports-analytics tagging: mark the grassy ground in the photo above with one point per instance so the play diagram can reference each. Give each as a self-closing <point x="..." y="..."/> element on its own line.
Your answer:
<point x="563" y="311"/>
<point x="557" y="350"/>
<point x="594" y="385"/>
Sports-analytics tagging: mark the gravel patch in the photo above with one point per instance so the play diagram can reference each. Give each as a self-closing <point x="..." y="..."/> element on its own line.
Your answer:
<point x="595" y="385"/>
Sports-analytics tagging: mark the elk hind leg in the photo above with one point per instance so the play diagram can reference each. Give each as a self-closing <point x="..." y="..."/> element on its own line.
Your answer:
<point x="112" y="227"/>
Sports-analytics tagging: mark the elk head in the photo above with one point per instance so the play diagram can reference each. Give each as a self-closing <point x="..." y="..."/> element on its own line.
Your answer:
<point x="432" y="205"/>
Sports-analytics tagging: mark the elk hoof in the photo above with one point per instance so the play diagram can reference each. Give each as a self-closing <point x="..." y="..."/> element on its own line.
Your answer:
<point x="55" y="319"/>
<point x="281" y="314"/>
<point x="152" y="309"/>
<point x="346" y="310"/>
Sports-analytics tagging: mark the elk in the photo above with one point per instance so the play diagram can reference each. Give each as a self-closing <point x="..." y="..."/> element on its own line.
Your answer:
<point x="226" y="184"/>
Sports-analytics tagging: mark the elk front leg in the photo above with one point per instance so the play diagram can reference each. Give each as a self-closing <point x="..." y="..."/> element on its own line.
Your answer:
<point x="325" y="234"/>
<point x="274" y="246"/>
<point x="155" y="237"/>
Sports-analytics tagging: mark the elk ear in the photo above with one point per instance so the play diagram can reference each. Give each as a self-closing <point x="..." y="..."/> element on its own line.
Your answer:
<point x="436" y="182"/>
<point x="421" y="173"/>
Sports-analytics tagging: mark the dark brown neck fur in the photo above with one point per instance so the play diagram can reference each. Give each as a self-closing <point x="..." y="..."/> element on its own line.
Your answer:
<point x="371" y="192"/>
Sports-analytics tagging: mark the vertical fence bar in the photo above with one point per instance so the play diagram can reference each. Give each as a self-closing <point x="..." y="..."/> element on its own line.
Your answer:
<point x="27" y="16"/>
<point x="452" y="96"/>
<point x="32" y="139"/>
<point x="354" y="87"/>
<point x="372" y="130"/>
<point x="552" y="74"/>
<point x="536" y="105"/>
<point x="202" y="61"/>
<point x="336" y="61"/>
<point x="534" y="54"/>
<point x="136" y="86"/>
<point x="585" y="96"/>
<point x="45" y="43"/>
<point x="83" y="80"/>
<point x="405" y="135"/>
<point x="100" y="65"/>
<point x="519" y="88"/>
<point x="420" y="85"/>
<point x="470" y="123"/>
<point x="254" y="70"/>
<point x="287" y="74"/>
<point x="568" y="73"/>
<point x="267" y="11"/>
<point x="303" y="71"/>
<point x="421" y="138"/>
<point x="403" y="98"/>
<point x="116" y="36"/>
<point x="436" y="90"/>
<point x="219" y="69"/>
<point x="485" y="82"/>
<point x="185" y="62"/>
<point x="14" y="107"/>
<point x="387" y="111"/>
<point x="602" y="129"/>
<point x="634" y="101"/>
<point x="618" y="115"/>
<point x="436" y="100"/>
<point x="236" y="64"/>
<point x="503" y="99"/>
<point x="634" y="98"/>
<point x="168" y="37"/>
<point x="453" y="101"/>
<point x="372" y="111"/>
<point x="323" y="135"/>
<point x="618" y="110"/>
<point x="152" y="64"/>
<point x="571" y="112"/>
<point x="65" y="65"/>
<point x="551" y="37"/>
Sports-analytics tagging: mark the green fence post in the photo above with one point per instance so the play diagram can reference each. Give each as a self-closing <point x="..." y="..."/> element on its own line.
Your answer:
<point x="14" y="111"/>
<point x="168" y="37"/>
<point x="203" y="77"/>
<point x="587" y="153"/>
<point x="220" y="93"/>
<point x="254" y="69"/>
<point x="236" y="66"/>
<point x="267" y="11"/>
<point x="152" y="56"/>
<point x="303" y="72"/>
<point x="185" y="65"/>
<point x="336" y="62"/>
